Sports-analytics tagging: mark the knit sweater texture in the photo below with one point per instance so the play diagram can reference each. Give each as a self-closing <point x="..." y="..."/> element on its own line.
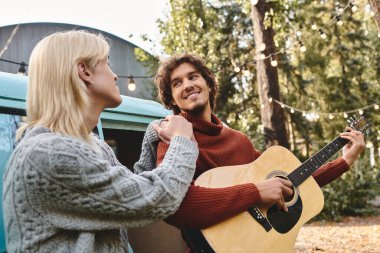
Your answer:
<point x="222" y="146"/>
<point x="61" y="194"/>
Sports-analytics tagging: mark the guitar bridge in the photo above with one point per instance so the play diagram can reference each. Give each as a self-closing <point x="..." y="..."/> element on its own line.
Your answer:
<point x="256" y="213"/>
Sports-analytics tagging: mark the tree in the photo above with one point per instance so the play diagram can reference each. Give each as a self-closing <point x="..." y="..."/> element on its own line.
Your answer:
<point x="272" y="115"/>
<point x="375" y="5"/>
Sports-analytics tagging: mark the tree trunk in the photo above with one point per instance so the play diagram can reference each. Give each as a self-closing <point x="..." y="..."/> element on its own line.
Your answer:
<point x="375" y="5"/>
<point x="272" y="114"/>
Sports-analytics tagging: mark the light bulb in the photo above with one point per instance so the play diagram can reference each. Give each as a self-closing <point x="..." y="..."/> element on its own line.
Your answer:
<point x="254" y="2"/>
<point x="131" y="83"/>
<point x="131" y="86"/>
<point x="262" y="47"/>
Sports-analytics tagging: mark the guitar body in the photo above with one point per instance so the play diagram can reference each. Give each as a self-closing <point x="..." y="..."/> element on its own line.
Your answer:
<point x="272" y="230"/>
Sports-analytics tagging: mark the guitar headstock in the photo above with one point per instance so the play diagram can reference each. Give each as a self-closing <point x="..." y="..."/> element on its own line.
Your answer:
<point x="359" y="124"/>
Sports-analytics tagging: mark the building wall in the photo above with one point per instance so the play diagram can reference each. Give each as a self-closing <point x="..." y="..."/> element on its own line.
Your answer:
<point x="122" y="58"/>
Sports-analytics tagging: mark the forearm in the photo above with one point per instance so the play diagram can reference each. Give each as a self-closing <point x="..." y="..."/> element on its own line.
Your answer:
<point x="90" y="191"/>
<point x="147" y="160"/>
<point x="204" y="207"/>
<point x="330" y="171"/>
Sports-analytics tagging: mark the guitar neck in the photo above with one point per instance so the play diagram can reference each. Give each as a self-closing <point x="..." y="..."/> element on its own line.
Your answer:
<point x="299" y="175"/>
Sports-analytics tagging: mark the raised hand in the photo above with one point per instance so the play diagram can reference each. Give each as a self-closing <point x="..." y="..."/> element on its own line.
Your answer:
<point x="174" y="125"/>
<point x="352" y="150"/>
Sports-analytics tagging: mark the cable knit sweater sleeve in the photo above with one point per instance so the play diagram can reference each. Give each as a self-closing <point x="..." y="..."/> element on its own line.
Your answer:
<point x="148" y="155"/>
<point x="77" y="187"/>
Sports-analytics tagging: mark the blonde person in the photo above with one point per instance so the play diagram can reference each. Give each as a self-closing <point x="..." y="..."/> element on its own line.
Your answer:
<point x="64" y="189"/>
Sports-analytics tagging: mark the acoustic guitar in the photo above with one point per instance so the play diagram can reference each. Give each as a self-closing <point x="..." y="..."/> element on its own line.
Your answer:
<point x="266" y="229"/>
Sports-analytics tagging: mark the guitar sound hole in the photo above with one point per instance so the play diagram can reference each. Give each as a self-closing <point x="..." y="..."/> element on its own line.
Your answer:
<point x="290" y="197"/>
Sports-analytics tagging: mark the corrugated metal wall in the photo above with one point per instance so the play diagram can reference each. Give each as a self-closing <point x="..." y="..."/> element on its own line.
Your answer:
<point x="122" y="58"/>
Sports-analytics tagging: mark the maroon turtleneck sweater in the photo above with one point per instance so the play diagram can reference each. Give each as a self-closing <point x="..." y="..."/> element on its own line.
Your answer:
<point x="222" y="146"/>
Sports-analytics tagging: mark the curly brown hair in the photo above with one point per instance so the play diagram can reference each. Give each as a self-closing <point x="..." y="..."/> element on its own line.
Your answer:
<point x="162" y="78"/>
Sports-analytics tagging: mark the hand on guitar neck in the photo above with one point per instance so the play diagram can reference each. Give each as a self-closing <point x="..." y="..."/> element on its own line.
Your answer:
<point x="352" y="150"/>
<point x="272" y="191"/>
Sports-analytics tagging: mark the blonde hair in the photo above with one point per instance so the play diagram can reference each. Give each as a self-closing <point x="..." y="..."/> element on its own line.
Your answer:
<point x="57" y="96"/>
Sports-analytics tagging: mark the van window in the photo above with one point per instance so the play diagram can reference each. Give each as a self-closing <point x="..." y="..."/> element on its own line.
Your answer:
<point x="126" y="145"/>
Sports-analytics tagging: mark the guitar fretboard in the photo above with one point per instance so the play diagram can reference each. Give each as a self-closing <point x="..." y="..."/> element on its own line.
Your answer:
<point x="299" y="175"/>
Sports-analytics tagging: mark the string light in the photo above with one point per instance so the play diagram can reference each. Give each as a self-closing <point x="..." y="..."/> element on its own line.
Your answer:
<point x="22" y="70"/>
<point x="273" y="62"/>
<point x="313" y="116"/>
<point x="246" y="72"/>
<point x="322" y="34"/>
<point x="254" y="2"/>
<point x="22" y="66"/>
<point x="262" y="47"/>
<point x="339" y="21"/>
<point x="131" y="83"/>
<point x="354" y="8"/>
<point x="302" y="47"/>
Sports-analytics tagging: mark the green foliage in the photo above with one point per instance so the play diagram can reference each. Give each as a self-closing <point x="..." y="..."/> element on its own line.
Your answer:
<point x="350" y="195"/>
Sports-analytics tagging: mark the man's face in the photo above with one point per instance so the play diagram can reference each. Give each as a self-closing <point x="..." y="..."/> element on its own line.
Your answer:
<point x="189" y="90"/>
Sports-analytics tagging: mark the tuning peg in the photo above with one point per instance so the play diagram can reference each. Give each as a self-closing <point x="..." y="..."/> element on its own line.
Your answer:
<point x="355" y="117"/>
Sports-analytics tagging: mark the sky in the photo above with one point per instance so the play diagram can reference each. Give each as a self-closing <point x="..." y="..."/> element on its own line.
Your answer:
<point x="119" y="17"/>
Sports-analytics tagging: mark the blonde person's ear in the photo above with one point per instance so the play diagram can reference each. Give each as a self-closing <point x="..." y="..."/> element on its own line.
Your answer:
<point x="84" y="73"/>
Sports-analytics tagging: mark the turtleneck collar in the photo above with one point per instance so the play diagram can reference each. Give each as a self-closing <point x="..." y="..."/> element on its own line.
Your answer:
<point x="211" y="128"/>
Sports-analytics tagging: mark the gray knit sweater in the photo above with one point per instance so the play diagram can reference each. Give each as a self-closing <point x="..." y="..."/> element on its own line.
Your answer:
<point x="62" y="195"/>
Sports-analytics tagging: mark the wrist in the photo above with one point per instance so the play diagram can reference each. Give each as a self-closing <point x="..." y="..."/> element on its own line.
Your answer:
<point x="348" y="160"/>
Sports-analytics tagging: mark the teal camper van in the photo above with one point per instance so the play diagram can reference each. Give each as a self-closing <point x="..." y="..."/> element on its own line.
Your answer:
<point x="118" y="126"/>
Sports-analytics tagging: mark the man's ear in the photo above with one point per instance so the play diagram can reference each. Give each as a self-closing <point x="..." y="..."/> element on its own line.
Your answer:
<point x="84" y="73"/>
